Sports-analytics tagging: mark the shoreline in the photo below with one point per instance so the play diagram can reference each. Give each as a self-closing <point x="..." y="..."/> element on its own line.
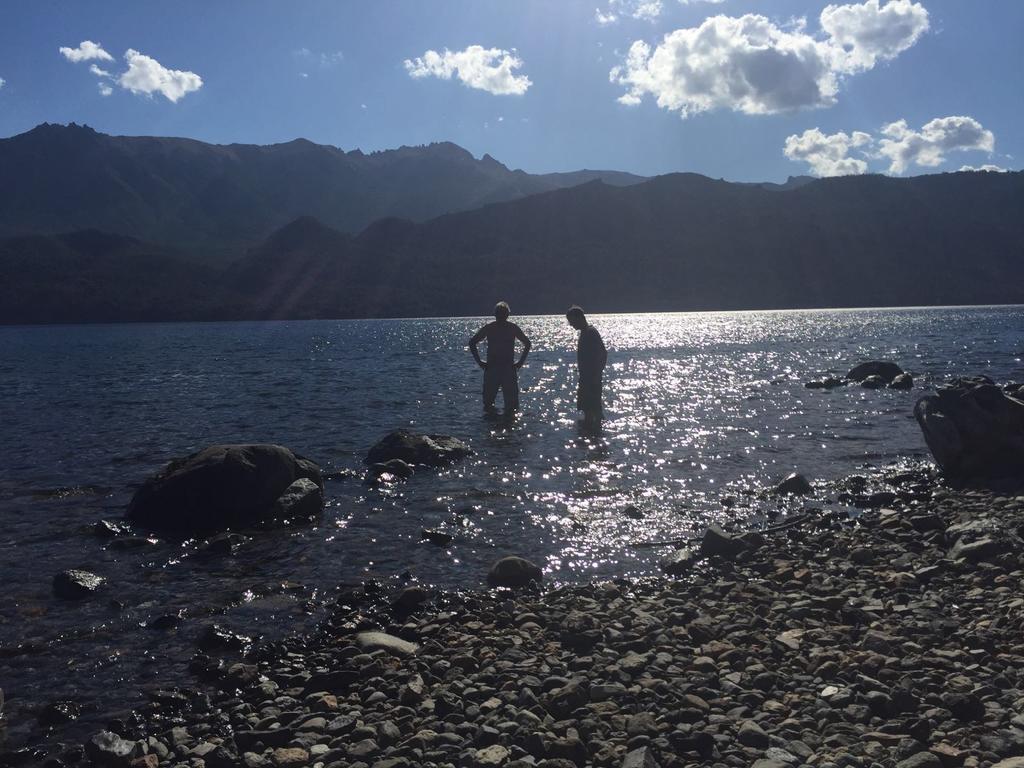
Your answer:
<point x="891" y="638"/>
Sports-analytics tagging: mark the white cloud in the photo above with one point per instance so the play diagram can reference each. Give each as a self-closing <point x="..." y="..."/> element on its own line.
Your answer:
<point x="147" y="76"/>
<point x="896" y="142"/>
<point x="86" y="51"/>
<point x="325" y="59"/>
<point x="865" y="34"/>
<point x="96" y="70"/>
<point x="905" y="147"/>
<point x="694" y="2"/>
<point x="646" y="10"/>
<point x="828" y="154"/>
<point x="105" y="89"/>
<point x="487" y="69"/>
<point x="986" y="167"/>
<point x="752" y="65"/>
<point x="2" y="82"/>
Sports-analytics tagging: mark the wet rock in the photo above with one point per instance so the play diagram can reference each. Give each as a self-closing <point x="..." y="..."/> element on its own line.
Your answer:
<point x="397" y="468"/>
<point x="108" y="529"/>
<point x="225" y="486"/>
<point x="514" y="572"/>
<point x="903" y="381"/>
<point x="717" y="543"/>
<point x="873" y="382"/>
<point x="829" y="383"/>
<point x="795" y="484"/>
<point x="414" y="449"/>
<point x="409" y="599"/>
<point x="973" y="429"/>
<point x="438" y="538"/>
<point x="679" y="562"/>
<point x="109" y="750"/>
<point x="216" y="637"/>
<point x="75" y="584"/>
<point x="884" y="370"/>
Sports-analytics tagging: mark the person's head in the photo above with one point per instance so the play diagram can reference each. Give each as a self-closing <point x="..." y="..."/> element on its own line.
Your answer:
<point x="576" y="318"/>
<point x="501" y="311"/>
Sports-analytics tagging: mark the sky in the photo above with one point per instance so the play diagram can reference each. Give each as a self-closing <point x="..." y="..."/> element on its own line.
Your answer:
<point x="746" y="90"/>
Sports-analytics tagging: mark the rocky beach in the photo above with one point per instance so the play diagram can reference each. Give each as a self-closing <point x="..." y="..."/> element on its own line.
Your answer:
<point x="891" y="638"/>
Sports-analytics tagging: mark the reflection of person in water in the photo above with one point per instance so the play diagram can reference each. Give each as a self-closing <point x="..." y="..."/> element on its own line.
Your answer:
<point x="591" y="357"/>
<point x="501" y="368"/>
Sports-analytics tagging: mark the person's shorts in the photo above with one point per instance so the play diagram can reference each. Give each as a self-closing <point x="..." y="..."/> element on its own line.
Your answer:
<point x="505" y="378"/>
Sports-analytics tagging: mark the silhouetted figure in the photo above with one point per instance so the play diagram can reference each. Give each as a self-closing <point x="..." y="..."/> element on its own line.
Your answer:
<point x="501" y="368"/>
<point x="591" y="357"/>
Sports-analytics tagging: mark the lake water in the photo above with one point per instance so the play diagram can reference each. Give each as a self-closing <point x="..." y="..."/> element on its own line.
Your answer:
<point x="699" y="407"/>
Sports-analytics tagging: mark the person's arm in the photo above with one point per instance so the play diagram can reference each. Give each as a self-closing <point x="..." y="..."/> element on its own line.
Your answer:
<point x="526" y="346"/>
<point x="604" y="351"/>
<point x="480" y="336"/>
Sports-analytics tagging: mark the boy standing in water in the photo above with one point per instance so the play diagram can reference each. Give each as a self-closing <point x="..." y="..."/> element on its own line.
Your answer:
<point x="591" y="356"/>
<point x="501" y="369"/>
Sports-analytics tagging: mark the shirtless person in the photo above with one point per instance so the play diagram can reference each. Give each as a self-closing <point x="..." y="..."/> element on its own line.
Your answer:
<point x="501" y="368"/>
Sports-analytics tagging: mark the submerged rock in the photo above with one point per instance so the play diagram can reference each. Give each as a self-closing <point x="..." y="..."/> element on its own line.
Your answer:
<point x="414" y="448"/>
<point x="884" y="369"/>
<point x="75" y="585"/>
<point x="229" y="485"/>
<point x="795" y="484"/>
<point x="903" y="381"/>
<point x="973" y="429"/>
<point x="514" y="572"/>
<point x="873" y="382"/>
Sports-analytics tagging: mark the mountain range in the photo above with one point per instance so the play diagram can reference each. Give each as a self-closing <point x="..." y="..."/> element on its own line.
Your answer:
<point x="611" y="242"/>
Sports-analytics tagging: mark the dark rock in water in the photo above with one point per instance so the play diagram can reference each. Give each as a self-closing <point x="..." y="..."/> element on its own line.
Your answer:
<point x="223" y="544"/>
<point x="166" y="621"/>
<point x="341" y="474"/>
<point x="973" y="429"/>
<point x="679" y="562"/>
<point x="440" y="538"/>
<point x="110" y="750"/>
<point x="633" y="512"/>
<point x="873" y="382"/>
<point x="396" y="467"/>
<point x="830" y="383"/>
<point x="409" y="599"/>
<point x="58" y="713"/>
<point x="74" y="585"/>
<point x="882" y="368"/>
<point x="717" y="542"/>
<point x="903" y="381"/>
<point x="302" y="500"/>
<point x="413" y="448"/>
<point x="228" y="485"/>
<point x="215" y="637"/>
<point x="795" y="484"/>
<point x="514" y="571"/>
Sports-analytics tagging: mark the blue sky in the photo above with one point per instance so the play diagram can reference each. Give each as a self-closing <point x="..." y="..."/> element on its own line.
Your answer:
<point x="727" y="97"/>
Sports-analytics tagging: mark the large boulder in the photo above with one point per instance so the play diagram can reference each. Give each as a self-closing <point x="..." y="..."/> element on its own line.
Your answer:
<point x="227" y="486"/>
<point x="882" y="368"/>
<point x="973" y="429"/>
<point x="413" y="448"/>
<point x="514" y="572"/>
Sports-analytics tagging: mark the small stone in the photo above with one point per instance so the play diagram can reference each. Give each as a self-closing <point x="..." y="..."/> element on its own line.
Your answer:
<point x="289" y="757"/>
<point x="493" y="755"/>
<point x="752" y="735"/>
<point x="514" y="572"/>
<point x="372" y="641"/>
<point x="640" y="758"/>
<point x="920" y="760"/>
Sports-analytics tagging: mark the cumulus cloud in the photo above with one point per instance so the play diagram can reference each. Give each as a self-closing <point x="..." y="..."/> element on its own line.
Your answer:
<point x="986" y="167"/>
<point x="2" y="82"/>
<point x="86" y="51"/>
<point x="928" y="147"/>
<point x="865" y="34"/>
<point x="144" y="75"/>
<point x="896" y="142"/>
<point x="752" y="65"/>
<point x="487" y="69"/>
<point x="828" y="154"/>
<point x="147" y="76"/>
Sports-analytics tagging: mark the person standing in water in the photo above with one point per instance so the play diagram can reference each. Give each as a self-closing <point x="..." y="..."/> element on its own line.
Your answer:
<point x="591" y="356"/>
<point x="501" y="369"/>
